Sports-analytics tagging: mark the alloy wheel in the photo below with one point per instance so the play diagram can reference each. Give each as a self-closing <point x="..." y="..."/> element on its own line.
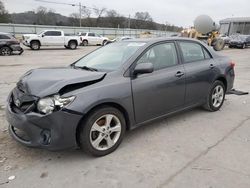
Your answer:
<point x="217" y="96"/>
<point x="5" y="51"/>
<point x="105" y="132"/>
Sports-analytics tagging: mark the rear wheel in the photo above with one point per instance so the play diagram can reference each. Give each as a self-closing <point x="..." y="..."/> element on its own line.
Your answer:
<point x="35" y="45"/>
<point x="216" y="96"/>
<point x="102" y="132"/>
<point x="72" y="45"/>
<point x="5" y="51"/>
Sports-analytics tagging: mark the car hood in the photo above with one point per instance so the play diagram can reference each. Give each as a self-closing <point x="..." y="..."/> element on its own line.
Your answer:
<point x="48" y="81"/>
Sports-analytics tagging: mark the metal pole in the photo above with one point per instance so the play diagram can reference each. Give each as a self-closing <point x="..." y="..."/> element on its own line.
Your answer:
<point x="129" y="21"/>
<point x="80" y="14"/>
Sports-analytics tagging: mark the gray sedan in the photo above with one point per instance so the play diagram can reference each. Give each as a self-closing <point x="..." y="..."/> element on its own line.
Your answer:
<point x="118" y="87"/>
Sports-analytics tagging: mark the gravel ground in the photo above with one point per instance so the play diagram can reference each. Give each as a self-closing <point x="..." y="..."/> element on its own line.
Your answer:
<point x="191" y="149"/>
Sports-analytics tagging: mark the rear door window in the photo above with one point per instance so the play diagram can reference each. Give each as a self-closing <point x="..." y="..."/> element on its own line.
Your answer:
<point x="191" y="52"/>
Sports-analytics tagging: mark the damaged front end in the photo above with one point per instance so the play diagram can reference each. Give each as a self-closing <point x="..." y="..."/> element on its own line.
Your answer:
<point x="41" y="117"/>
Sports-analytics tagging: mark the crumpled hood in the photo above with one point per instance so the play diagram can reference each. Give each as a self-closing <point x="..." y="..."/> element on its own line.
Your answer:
<point x="47" y="81"/>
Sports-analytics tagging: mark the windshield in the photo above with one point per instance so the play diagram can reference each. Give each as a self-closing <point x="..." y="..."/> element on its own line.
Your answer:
<point x="110" y="57"/>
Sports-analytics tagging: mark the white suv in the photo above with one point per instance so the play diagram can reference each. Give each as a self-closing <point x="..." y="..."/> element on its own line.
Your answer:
<point x="89" y="38"/>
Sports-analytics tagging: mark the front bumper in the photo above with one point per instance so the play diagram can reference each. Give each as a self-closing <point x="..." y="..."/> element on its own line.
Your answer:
<point x="17" y="48"/>
<point x="55" y="131"/>
<point x="25" y="43"/>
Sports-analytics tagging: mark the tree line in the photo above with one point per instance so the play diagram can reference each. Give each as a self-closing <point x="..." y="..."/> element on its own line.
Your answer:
<point x="95" y="17"/>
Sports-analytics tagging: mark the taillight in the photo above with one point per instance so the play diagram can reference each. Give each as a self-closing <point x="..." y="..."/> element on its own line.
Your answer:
<point x="232" y="64"/>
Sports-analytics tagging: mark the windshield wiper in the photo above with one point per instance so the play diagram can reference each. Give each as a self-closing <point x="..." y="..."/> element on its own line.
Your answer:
<point x="86" y="68"/>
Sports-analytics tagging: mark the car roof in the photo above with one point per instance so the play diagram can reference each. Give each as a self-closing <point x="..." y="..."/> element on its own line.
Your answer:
<point x="159" y="39"/>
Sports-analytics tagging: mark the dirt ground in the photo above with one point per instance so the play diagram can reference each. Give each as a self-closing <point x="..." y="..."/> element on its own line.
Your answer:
<point x="196" y="149"/>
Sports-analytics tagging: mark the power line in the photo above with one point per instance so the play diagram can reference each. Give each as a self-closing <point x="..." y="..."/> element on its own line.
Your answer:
<point x="71" y="4"/>
<point x="54" y="2"/>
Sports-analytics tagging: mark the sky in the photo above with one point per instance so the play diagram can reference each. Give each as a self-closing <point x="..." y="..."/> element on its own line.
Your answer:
<point x="177" y="12"/>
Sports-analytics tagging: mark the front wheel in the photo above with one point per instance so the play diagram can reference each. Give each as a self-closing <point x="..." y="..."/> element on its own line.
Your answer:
<point x="216" y="96"/>
<point x="102" y="132"/>
<point x="104" y="43"/>
<point x="5" y="51"/>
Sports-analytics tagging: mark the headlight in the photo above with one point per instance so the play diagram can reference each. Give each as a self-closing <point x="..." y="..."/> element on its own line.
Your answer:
<point x="49" y="104"/>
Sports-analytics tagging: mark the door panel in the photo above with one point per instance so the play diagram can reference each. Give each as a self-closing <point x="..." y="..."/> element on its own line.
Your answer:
<point x="200" y="71"/>
<point x="162" y="91"/>
<point x="158" y="93"/>
<point x="199" y="77"/>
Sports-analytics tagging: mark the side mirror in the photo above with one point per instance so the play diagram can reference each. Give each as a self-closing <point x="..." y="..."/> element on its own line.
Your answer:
<point x="143" y="68"/>
<point x="43" y="35"/>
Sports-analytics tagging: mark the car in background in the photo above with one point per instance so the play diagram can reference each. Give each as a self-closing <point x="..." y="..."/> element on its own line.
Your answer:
<point x="225" y="38"/>
<point x="119" y="39"/>
<point x="89" y="38"/>
<point x="51" y="38"/>
<point x="9" y="44"/>
<point x="239" y="41"/>
<point x="118" y="87"/>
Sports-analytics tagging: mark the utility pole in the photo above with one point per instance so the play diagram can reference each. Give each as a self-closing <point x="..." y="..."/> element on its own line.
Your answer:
<point x="129" y="21"/>
<point x="80" y="14"/>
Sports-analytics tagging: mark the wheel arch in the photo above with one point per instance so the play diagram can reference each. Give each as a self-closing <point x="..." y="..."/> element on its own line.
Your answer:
<point x="223" y="80"/>
<point x="104" y="104"/>
<point x="73" y="40"/>
<point x="35" y="40"/>
<point x="5" y="45"/>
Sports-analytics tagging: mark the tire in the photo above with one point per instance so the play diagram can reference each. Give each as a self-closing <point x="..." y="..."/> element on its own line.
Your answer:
<point x="229" y="46"/>
<point x="218" y="44"/>
<point x="72" y="45"/>
<point x="85" y="43"/>
<point x="104" y="42"/>
<point x="216" y="96"/>
<point x="35" y="45"/>
<point x="5" y="51"/>
<point x="95" y="142"/>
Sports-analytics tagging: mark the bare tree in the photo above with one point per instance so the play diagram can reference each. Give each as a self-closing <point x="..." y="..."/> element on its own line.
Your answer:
<point x="4" y="16"/>
<point x="86" y="12"/>
<point x="99" y="12"/>
<point x="114" y="19"/>
<point x="143" y="20"/>
<point x="144" y="16"/>
<point x="74" y="19"/>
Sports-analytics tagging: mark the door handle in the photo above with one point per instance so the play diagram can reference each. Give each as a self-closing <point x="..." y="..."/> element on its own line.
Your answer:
<point x="211" y="66"/>
<point x="179" y="74"/>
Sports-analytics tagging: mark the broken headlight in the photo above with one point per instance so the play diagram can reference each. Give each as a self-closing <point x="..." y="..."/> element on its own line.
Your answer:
<point x="49" y="104"/>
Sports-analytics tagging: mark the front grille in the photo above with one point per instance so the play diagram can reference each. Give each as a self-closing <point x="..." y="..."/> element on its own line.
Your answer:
<point x="21" y="102"/>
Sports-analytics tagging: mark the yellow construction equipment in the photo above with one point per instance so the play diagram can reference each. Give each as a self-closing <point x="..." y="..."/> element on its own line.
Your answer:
<point x="206" y="30"/>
